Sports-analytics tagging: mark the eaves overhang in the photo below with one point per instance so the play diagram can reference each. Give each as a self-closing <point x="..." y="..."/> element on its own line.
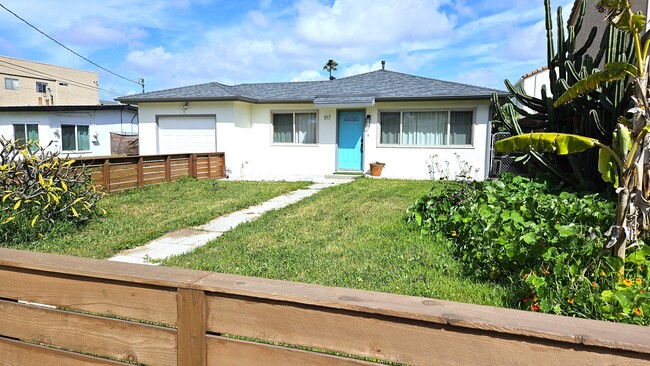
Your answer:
<point x="439" y="98"/>
<point x="320" y="102"/>
<point x="344" y="102"/>
<point x="68" y="108"/>
<point x="135" y="100"/>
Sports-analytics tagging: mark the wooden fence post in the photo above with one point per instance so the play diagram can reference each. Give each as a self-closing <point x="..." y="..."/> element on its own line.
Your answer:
<point x="192" y="323"/>
<point x="168" y="168"/>
<point x="222" y="169"/>
<point x="192" y="165"/>
<point x="141" y="172"/>
<point x="106" y="175"/>
<point x="209" y="169"/>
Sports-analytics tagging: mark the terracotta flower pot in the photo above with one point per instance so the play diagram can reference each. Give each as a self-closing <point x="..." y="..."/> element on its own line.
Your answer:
<point x="376" y="168"/>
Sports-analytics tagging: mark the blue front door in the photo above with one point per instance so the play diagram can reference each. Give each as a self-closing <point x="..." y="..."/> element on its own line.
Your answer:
<point x="350" y="141"/>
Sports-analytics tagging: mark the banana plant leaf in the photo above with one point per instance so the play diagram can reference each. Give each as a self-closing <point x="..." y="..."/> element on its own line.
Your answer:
<point x="613" y="71"/>
<point x="559" y="143"/>
<point x="607" y="167"/>
<point x="562" y="144"/>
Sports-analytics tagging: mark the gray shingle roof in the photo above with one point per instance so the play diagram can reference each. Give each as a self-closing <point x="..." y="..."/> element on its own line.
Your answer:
<point x="381" y="85"/>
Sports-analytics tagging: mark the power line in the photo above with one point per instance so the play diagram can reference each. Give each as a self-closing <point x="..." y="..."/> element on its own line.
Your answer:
<point x="140" y="82"/>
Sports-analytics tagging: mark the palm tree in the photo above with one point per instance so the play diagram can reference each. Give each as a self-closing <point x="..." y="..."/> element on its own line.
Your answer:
<point x="330" y="66"/>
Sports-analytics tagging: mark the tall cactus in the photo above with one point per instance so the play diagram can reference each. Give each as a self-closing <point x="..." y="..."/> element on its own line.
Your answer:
<point x="593" y="115"/>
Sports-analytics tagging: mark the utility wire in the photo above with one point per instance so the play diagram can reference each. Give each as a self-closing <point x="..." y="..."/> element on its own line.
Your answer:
<point x="140" y="82"/>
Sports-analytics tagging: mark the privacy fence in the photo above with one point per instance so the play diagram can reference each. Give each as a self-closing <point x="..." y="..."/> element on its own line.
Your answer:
<point x="167" y="316"/>
<point x="113" y="174"/>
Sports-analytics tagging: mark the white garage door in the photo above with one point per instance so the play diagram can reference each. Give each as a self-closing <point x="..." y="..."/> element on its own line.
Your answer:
<point x="178" y="135"/>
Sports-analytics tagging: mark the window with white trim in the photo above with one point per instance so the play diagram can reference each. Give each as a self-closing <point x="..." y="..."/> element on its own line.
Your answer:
<point x="11" y="84"/>
<point x="41" y="87"/>
<point x="26" y="132"/>
<point x="75" y="138"/>
<point x="295" y="127"/>
<point x="426" y="128"/>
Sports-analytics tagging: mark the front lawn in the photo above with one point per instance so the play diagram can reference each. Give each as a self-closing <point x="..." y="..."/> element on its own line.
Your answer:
<point x="138" y="216"/>
<point x="352" y="235"/>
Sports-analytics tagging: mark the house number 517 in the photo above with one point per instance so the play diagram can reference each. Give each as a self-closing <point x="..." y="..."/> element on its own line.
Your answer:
<point x="327" y="116"/>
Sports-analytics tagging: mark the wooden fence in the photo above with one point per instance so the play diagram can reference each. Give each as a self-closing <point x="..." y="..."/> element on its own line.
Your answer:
<point x="113" y="174"/>
<point x="205" y="318"/>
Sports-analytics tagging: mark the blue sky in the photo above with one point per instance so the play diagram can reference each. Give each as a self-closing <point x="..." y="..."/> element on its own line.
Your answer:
<point x="174" y="43"/>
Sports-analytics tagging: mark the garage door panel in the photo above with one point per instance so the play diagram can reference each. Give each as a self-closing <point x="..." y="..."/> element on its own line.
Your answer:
<point x="186" y="135"/>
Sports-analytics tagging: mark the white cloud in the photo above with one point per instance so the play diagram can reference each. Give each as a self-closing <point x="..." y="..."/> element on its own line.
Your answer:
<point x="93" y="33"/>
<point x="487" y="77"/>
<point x="368" y="23"/>
<point x="529" y="44"/>
<point x="308" y="75"/>
<point x="154" y="60"/>
<point x="464" y="10"/>
<point x="170" y="44"/>
<point x="257" y="19"/>
<point x="360" y="69"/>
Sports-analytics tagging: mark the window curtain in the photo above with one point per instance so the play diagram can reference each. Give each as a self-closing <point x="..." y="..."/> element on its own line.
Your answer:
<point x="32" y="135"/>
<point x="390" y="128"/>
<point x="409" y="128"/>
<point x="306" y="128"/>
<point x="283" y="127"/>
<point x="424" y="128"/>
<point x="68" y="138"/>
<point x="83" y="138"/>
<point x="461" y="128"/>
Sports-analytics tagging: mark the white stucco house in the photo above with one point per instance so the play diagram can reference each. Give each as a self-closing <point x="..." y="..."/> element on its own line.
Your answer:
<point x="81" y="130"/>
<point x="322" y="127"/>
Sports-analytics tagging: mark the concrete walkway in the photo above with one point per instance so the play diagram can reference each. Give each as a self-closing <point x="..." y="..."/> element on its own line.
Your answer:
<point x="185" y="240"/>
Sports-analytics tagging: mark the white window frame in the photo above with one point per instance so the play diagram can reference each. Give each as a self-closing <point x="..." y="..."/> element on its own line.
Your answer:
<point x="15" y="84"/>
<point x="24" y="126"/>
<point x="293" y="132"/>
<point x="76" y="137"/>
<point x="447" y="132"/>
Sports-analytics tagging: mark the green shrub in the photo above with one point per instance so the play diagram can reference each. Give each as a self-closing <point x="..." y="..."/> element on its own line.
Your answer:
<point x="501" y="227"/>
<point x="550" y="244"/>
<point x="41" y="193"/>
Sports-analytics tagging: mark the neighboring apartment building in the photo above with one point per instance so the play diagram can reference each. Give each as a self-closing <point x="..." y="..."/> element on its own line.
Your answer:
<point x="29" y="83"/>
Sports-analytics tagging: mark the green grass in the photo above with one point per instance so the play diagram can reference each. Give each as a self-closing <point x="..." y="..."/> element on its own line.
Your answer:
<point x="138" y="216"/>
<point x="352" y="235"/>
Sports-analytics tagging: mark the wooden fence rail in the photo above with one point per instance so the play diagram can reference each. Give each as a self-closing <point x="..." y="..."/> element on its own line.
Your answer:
<point x="168" y="316"/>
<point x="113" y="174"/>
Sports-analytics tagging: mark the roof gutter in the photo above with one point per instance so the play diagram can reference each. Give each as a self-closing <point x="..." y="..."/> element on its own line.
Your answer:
<point x="69" y="108"/>
<point x="452" y="97"/>
<point x="136" y="100"/>
<point x="302" y="101"/>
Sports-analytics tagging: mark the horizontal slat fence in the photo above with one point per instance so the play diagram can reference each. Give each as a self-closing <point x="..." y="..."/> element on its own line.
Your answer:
<point x="167" y="316"/>
<point x="118" y="173"/>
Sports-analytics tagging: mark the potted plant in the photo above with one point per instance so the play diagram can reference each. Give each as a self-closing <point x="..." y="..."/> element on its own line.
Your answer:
<point x="376" y="168"/>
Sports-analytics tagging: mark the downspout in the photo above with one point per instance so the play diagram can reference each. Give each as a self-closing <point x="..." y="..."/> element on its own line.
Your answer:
<point x="488" y="144"/>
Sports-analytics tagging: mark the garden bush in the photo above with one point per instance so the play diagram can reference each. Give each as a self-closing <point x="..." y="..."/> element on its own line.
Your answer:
<point x="549" y="243"/>
<point x="41" y="193"/>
